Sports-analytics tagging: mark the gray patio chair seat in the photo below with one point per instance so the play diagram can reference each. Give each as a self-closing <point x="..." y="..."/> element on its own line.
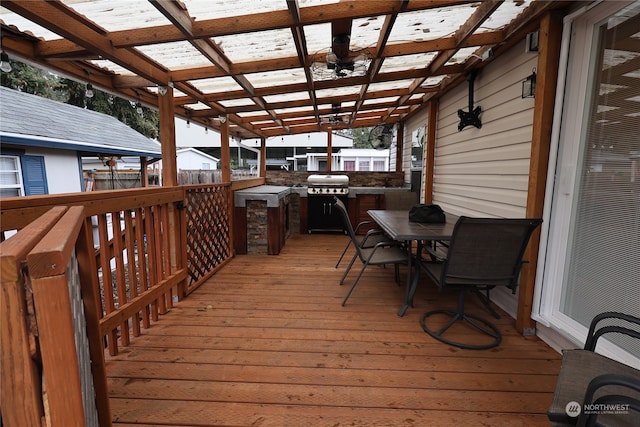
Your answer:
<point x="483" y="253"/>
<point x="587" y="377"/>
<point x="383" y="253"/>
<point x="368" y="240"/>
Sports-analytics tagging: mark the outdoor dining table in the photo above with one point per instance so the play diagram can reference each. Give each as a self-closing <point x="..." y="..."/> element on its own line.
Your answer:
<point x="397" y="226"/>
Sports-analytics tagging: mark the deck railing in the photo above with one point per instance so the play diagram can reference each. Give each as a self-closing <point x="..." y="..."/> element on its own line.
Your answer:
<point x="137" y="253"/>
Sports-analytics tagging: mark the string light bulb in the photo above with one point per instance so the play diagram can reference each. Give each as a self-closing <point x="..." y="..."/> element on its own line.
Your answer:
<point x="88" y="93"/>
<point x="5" y="65"/>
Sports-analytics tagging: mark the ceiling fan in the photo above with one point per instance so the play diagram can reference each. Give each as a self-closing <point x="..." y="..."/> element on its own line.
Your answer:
<point x="339" y="60"/>
<point x="336" y="116"/>
<point x="381" y="136"/>
<point x="333" y="119"/>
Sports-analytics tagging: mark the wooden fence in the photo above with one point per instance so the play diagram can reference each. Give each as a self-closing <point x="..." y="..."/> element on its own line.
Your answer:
<point x="137" y="252"/>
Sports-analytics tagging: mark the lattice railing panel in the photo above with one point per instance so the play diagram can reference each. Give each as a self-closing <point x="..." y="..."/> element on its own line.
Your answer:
<point x="208" y="225"/>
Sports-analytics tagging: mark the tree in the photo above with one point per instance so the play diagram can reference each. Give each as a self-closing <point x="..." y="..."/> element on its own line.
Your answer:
<point x="26" y="78"/>
<point x="361" y="138"/>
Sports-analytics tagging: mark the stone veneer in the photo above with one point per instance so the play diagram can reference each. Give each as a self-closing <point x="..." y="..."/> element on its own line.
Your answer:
<point x="257" y="227"/>
<point x="356" y="179"/>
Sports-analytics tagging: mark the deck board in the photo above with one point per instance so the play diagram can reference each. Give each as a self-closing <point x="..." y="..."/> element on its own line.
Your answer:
<point x="266" y="342"/>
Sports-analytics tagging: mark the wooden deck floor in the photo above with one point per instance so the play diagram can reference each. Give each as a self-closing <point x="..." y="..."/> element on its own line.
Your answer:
<point x="266" y="343"/>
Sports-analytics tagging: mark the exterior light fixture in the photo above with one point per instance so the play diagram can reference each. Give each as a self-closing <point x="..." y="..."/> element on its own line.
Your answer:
<point x="529" y="86"/>
<point x="5" y="65"/>
<point x="188" y="123"/>
<point x="88" y="92"/>
<point x="162" y="90"/>
<point x="222" y="118"/>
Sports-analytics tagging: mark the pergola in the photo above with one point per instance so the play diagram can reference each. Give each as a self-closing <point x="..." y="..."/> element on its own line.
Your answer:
<point x="259" y="69"/>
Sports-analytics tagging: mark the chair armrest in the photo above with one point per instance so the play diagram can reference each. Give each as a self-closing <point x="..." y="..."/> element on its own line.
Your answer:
<point x="625" y="384"/>
<point x="363" y="223"/>
<point x="594" y="334"/>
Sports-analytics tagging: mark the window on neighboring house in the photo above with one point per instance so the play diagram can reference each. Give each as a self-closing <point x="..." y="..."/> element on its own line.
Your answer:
<point x="22" y="175"/>
<point x="10" y="176"/>
<point x="363" y="166"/>
<point x="378" y="165"/>
<point x="206" y="166"/>
<point x="349" y="165"/>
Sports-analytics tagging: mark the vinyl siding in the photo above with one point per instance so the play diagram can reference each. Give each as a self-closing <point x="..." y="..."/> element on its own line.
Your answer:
<point x="484" y="172"/>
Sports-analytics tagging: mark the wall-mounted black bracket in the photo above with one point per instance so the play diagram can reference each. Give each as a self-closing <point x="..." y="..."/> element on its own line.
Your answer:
<point x="471" y="117"/>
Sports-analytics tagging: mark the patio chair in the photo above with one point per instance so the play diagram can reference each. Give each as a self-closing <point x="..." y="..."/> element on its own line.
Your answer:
<point x="397" y="200"/>
<point x="382" y="253"/>
<point x="589" y="378"/>
<point x="483" y="253"/>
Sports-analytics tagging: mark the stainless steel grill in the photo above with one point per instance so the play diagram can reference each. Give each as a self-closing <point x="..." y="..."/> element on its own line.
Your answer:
<point x="328" y="184"/>
<point x="321" y="189"/>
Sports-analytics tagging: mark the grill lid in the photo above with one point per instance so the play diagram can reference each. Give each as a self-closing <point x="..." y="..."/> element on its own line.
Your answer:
<point x="328" y="181"/>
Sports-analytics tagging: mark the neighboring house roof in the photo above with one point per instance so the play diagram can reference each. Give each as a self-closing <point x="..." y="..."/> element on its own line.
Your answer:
<point x="31" y="120"/>
<point x="198" y="152"/>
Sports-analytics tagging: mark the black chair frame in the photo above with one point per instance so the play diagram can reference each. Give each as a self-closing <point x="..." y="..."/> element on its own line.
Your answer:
<point x="382" y="253"/>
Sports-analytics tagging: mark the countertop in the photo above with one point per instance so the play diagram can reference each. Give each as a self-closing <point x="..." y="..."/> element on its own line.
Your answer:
<point x="272" y="194"/>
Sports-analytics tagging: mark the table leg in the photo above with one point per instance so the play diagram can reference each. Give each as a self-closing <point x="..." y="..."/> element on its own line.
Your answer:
<point x="412" y="279"/>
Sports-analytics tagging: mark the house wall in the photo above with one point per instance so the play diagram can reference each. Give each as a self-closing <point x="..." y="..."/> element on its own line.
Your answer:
<point x="484" y="172"/>
<point x="63" y="169"/>
<point x="190" y="161"/>
<point x="362" y="156"/>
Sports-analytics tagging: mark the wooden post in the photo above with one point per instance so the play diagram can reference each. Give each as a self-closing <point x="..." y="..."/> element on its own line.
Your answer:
<point x="329" y="149"/>
<point x="428" y="154"/>
<point x="48" y="268"/>
<point x="225" y="154"/>
<point x="263" y="157"/>
<point x="20" y="382"/>
<point x="144" y="174"/>
<point x="170" y="170"/>
<point x="546" y="82"/>
<point x="168" y="138"/>
<point x="399" y="147"/>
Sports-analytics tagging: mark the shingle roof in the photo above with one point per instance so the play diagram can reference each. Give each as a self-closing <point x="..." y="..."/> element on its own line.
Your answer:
<point x="31" y="120"/>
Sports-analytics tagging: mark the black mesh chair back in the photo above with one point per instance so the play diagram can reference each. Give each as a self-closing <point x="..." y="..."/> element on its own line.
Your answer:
<point x="483" y="253"/>
<point x="487" y="252"/>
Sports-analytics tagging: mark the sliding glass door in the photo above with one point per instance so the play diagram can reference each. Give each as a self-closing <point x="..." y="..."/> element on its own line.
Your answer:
<point x="594" y="236"/>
